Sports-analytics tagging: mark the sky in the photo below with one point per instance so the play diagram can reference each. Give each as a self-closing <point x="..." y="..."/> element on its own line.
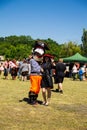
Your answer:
<point x="59" y="20"/>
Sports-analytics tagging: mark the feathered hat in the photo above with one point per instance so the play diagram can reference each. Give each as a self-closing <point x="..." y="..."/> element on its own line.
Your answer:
<point x="39" y="49"/>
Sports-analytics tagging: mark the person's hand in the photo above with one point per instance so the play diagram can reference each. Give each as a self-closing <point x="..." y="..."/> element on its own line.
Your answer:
<point x="41" y="70"/>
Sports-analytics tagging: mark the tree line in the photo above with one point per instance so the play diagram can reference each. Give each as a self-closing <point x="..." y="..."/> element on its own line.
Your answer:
<point x="20" y="47"/>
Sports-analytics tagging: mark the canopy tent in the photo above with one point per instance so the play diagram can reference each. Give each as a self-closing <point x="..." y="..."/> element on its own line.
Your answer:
<point x="75" y="58"/>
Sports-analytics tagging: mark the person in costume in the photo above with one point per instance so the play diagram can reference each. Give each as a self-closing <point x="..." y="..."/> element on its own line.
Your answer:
<point x="36" y="70"/>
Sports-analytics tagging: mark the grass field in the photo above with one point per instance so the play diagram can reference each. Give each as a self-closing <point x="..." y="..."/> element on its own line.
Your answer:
<point x="67" y="111"/>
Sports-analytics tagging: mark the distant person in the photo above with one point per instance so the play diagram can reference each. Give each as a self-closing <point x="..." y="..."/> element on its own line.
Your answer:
<point x="70" y="69"/>
<point x="1" y="68"/>
<point x="80" y="74"/>
<point x="84" y="71"/>
<point x="74" y="72"/>
<point x="60" y="74"/>
<point x="13" y="69"/>
<point x="6" y="68"/>
<point x="24" y="70"/>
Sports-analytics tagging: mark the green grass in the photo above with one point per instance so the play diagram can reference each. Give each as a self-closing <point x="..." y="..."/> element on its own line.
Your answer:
<point x="67" y="111"/>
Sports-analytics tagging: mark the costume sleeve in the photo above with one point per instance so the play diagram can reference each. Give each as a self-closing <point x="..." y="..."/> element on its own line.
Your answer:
<point x="35" y="67"/>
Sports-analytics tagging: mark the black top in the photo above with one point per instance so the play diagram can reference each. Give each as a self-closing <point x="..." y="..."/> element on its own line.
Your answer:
<point x="47" y="75"/>
<point x="60" y="68"/>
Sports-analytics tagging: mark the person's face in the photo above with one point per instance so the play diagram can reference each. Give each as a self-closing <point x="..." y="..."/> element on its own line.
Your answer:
<point x="46" y="59"/>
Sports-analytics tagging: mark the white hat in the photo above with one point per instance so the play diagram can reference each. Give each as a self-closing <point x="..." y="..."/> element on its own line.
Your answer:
<point x="39" y="50"/>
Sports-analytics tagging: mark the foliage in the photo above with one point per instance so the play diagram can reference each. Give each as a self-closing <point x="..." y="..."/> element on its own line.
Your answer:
<point x="20" y="47"/>
<point x="69" y="49"/>
<point x="54" y="48"/>
<point x="16" y="47"/>
<point x="84" y="41"/>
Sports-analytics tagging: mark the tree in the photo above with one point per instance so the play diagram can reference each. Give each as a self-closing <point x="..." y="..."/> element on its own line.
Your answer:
<point x="69" y="49"/>
<point x="84" y="42"/>
<point x="54" y="48"/>
<point x="21" y="47"/>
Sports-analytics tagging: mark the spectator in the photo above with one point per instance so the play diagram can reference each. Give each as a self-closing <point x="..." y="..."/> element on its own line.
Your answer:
<point x="84" y="71"/>
<point x="1" y="68"/>
<point x="60" y="73"/>
<point x="74" y="71"/>
<point x="14" y="68"/>
<point x="24" y="70"/>
<point x="6" y="68"/>
<point x="80" y="73"/>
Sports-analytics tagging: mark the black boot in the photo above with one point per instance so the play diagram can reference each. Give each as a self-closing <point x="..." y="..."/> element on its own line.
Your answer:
<point x="57" y="90"/>
<point x="32" y="97"/>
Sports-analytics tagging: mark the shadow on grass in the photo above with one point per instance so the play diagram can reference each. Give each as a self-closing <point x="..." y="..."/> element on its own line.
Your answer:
<point x="54" y="91"/>
<point x="27" y="100"/>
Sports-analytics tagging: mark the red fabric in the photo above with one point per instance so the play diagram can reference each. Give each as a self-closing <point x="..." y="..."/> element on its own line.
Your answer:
<point x="48" y="55"/>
